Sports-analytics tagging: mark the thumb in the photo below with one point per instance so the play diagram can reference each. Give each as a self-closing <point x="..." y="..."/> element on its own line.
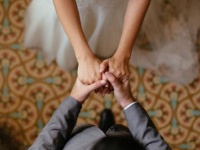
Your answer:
<point x="113" y="80"/>
<point x="103" y="66"/>
<point x="97" y="85"/>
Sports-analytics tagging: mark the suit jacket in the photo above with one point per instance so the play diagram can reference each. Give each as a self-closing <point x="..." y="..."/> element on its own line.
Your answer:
<point x="58" y="134"/>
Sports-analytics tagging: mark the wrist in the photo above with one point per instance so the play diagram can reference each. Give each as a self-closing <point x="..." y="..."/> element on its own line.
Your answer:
<point x="76" y="94"/>
<point x="83" y="56"/>
<point x="127" y="102"/>
<point x="122" y="55"/>
<point x="77" y="98"/>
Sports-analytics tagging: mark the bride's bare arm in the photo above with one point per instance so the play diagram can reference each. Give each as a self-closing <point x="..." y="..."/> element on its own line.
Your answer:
<point x="119" y="63"/>
<point x="136" y="10"/>
<point x="68" y="14"/>
<point x="88" y="69"/>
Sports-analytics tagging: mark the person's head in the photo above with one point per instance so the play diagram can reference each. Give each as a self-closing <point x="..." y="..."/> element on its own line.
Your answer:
<point x="7" y="140"/>
<point x="117" y="143"/>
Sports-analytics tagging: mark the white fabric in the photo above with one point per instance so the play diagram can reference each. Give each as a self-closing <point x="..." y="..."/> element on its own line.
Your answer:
<point x="171" y="29"/>
<point x="129" y="105"/>
<point x="101" y="23"/>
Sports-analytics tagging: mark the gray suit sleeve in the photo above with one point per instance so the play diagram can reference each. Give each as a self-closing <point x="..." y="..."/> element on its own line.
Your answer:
<point x="143" y="129"/>
<point x="57" y="131"/>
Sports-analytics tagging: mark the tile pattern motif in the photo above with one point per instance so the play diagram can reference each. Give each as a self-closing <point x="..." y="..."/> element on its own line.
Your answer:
<point x="30" y="91"/>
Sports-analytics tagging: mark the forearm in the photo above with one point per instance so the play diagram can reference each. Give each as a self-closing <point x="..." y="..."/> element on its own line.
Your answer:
<point x="143" y="129"/>
<point x="68" y="14"/>
<point x="136" y="10"/>
<point x="57" y="131"/>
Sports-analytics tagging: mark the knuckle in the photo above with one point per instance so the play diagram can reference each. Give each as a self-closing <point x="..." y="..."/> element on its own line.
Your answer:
<point x="88" y="81"/>
<point x="114" y="80"/>
<point x="91" y="81"/>
<point x="111" y="70"/>
<point x="96" y="77"/>
<point x="83" y="81"/>
<point x="123" y="72"/>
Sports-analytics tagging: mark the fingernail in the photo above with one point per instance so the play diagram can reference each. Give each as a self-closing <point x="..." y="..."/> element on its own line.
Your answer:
<point x="103" y="82"/>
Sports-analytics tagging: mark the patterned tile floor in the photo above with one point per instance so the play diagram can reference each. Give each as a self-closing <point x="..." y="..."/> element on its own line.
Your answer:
<point x="30" y="91"/>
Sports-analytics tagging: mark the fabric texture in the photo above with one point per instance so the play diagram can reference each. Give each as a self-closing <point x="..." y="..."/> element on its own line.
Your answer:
<point x="101" y="23"/>
<point x="58" y="134"/>
<point x="170" y="31"/>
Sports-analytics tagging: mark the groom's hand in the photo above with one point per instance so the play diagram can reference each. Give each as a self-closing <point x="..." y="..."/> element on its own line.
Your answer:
<point x="82" y="91"/>
<point x="122" y="90"/>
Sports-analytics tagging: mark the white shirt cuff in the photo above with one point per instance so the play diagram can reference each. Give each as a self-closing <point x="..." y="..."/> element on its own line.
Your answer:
<point x="129" y="105"/>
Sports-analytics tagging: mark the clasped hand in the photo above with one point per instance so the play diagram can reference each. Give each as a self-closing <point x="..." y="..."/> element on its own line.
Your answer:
<point x="92" y="69"/>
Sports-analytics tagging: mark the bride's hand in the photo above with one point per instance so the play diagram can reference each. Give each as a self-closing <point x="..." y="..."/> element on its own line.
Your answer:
<point x="106" y="89"/>
<point x="117" y="65"/>
<point x="89" y="69"/>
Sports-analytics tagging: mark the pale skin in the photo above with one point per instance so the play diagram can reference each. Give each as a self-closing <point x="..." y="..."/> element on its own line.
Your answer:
<point x="122" y="90"/>
<point x="118" y="64"/>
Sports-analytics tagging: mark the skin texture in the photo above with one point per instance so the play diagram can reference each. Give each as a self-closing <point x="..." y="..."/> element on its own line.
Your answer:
<point x="89" y="72"/>
<point x="68" y="13"/>
<point x="122" y="90"/>
<point x="82" y="91"/>
<point x="118" y="64"/>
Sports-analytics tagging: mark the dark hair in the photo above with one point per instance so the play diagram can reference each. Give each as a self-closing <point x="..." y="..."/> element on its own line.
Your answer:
<point x="8" y="142"/>
<point x="117" y="143"/>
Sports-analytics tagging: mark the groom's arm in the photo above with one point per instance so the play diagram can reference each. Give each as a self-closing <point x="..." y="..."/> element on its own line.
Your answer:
<point x="56" y="133"/>
<point x="143" y="129"/>
<point x="139" y="123"/>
